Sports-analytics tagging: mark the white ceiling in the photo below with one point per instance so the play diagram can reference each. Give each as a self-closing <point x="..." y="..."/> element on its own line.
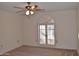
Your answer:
<point x="9" y="6"/>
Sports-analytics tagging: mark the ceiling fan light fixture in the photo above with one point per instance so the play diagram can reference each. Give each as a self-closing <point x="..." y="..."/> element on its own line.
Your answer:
<point x="30" y="9"/>
<point x="31" y="12"/>
<point x="27" y="12"/>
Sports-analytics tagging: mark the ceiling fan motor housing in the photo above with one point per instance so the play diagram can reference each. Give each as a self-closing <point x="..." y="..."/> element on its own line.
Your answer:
<point x="28" y="3"/>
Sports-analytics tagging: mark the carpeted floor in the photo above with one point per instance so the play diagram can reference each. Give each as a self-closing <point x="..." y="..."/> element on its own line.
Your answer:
<point x="36" y="51"/>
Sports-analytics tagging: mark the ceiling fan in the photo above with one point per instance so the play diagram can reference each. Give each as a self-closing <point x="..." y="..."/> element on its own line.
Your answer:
<point x="29" y="9"/>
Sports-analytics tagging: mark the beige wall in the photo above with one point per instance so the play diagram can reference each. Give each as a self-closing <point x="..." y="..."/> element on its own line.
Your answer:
<point x="66" y="29"/>
<point x="78" y="27"/>
<point x="11" y="31"/>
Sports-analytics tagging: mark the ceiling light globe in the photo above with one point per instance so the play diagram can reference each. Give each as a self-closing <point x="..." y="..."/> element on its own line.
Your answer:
<point x="27" y="12"/>
<point x="31" y="12"/>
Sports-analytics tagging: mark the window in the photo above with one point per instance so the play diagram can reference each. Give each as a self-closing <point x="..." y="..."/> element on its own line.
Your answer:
<point x="47" y="34"/>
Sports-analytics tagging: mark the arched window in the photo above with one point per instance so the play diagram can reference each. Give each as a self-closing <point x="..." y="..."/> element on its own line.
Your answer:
<point x="46" y="33"/>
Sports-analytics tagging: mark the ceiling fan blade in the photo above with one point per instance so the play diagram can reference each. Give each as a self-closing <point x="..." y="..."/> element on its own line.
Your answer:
<point x="18" y="7"/>
<point x="23" y="14"/>
<point x="20" y="11"/>
<point x="40" y="10"/>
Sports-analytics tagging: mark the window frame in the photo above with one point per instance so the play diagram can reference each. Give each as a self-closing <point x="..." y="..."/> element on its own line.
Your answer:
<point x="46" y="33"/>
